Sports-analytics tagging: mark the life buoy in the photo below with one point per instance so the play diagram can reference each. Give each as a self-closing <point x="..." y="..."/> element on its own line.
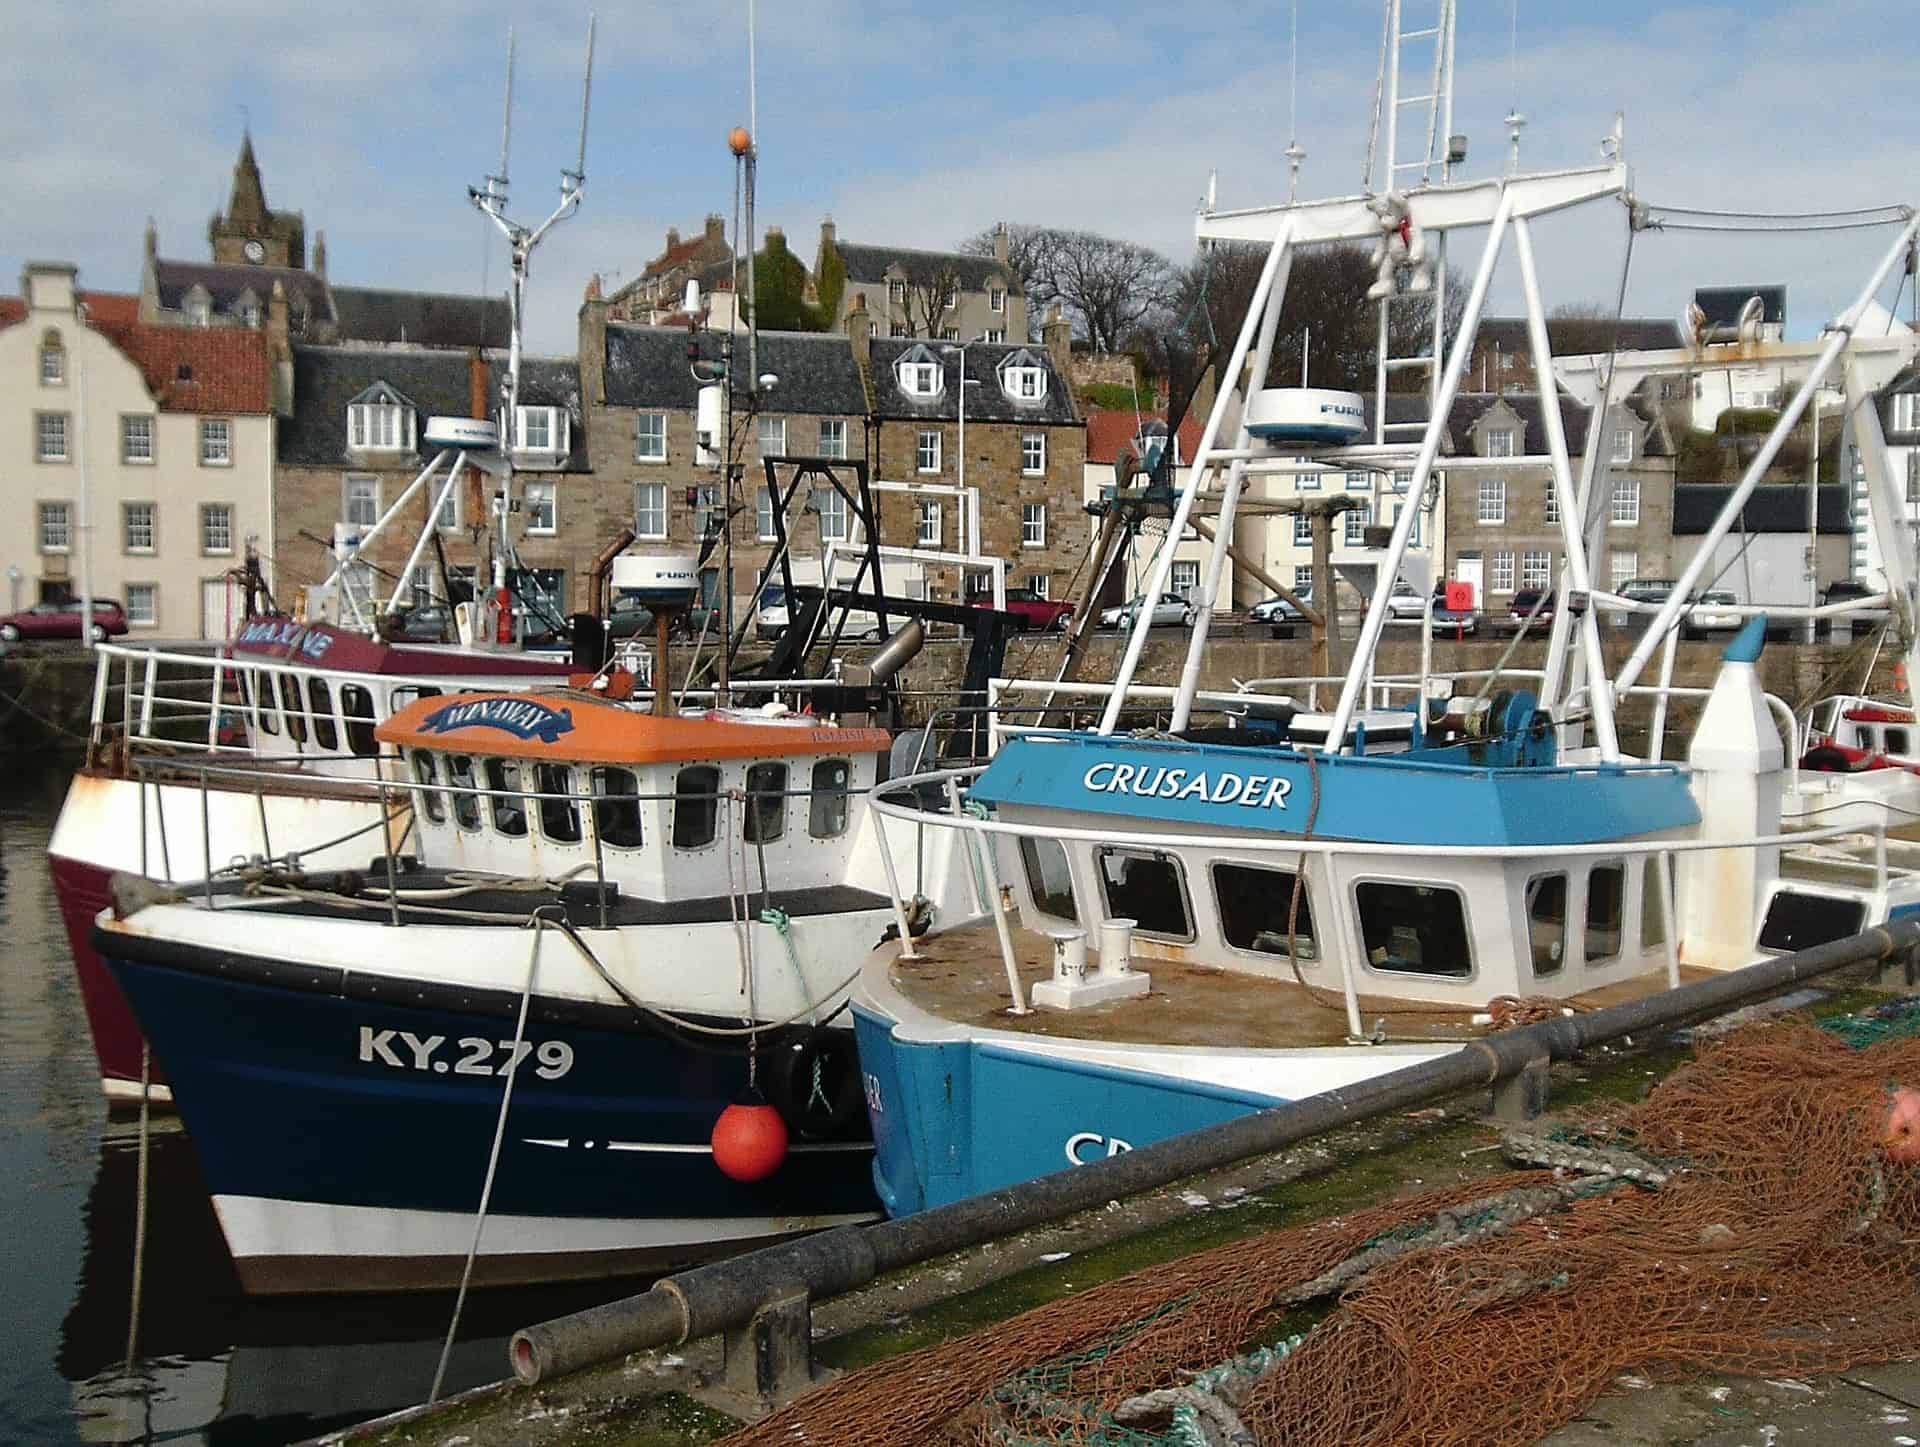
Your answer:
<point x="813" y="1080"/>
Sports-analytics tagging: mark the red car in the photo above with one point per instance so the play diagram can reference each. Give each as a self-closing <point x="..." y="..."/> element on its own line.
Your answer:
<point x="1031" y="609"/>
<point x="62" y="620"/>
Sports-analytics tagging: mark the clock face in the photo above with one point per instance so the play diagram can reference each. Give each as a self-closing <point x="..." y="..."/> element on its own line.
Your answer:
<point x="254" y="251"/>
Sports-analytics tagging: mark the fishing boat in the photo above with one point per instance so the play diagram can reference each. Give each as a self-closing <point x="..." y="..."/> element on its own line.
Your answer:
<point x="625" y="919"/>
<point x="1203" y="917"/>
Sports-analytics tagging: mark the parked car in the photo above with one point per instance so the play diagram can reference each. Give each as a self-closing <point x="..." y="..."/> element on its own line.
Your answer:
<point x="1454" y="622"/>
<point x="1167" y="611"/>
<point x="1406" y="601"/>
<point x="1710" y="614"/>
<point x="629" y="618"/>
<point x="1278" y="610"/>
<point x="1642" y="590"/>
<point x="771" y="620"/>
<point x="1033" y="609"/>
<point x="62" y="620"/>
<point x="1524" y="603"/>
<point x="1848" y="590"/>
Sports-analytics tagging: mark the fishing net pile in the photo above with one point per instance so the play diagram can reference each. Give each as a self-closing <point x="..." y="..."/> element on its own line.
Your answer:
<point x="1757" y="1213"/>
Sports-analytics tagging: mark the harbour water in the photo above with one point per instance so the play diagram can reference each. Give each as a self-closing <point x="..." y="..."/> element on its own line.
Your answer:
<point x="207" y="1364"/>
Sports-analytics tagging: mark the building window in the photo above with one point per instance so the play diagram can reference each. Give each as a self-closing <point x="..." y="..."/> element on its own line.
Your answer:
<point x="1502" y="579"/>
<point x="199" y="311"/>
<point x="897" y="292"/>
<point x="136" y="526"/>
<point x="216" y="442"/>
<point x="56" y="527"/>
<point x="1184" y="578"/>
<point x="1357" y="519"/>
<point x="216" y="527"/>
<point x="927" y="451"/>
<point x="136" y="439"/>
<point x="773" y="436"/>
<point x="1500" y="442"/>
<point x="1359" y="481"/>
<point x="541" y="430"/>
<point x="833" y="515"/>
<point x="1626" y="502"/>
<point x="707" y="512"/>
<point x="1413" y="534"/>
<point x="896" y="329"/>
<point x="361" y="508"/>
<point x="379" y="427"/>
<point x="1402" y="479"/>
<point x="1024" y="384"/>
<point x="650" y="510"/>
<point x="1906" y="408"/>
<point x="1302" y="530"/>
<point x="833" y="437"/>
<point x="1623" y="565"/>
<point x="1553" y="502"/>
<point x="50" y="436"/>
<point x="447" y="520"/>
<point x="53" y="361"/>
<point x="650" y="437"/>
<point x="143" y="604"/>
<point x="1536" y="569"/>
<point x="996" y="300"/>
<point x="951" y="300"/>
<point x="919" y="374"/>
<point x="996" y="335"/>
<point x="1306" y="481"/>
<point x="1033" y="525"/>
<point x="1033" y="453"/>
<point x="1623" y="444"/>
<point x="1492" y="502"/>
<point x="1041" y="584"/>
<point x="540" y="506"/>
<point x="929" y="535"/>
<point x="763" y="529"/>
<point x="949" y="334"/>
<point x="1303" y="578"/>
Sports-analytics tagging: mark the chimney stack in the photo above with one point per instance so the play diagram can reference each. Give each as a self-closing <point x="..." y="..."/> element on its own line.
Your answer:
<point x="477" y="380"/>
<point x="1058" y="336"/>
<point x="1000" y="241"/>
<point x="279" y="350"/>
<point x="320" y="255"/>
<point x="673" y="237"/>
<point x="860" y="331"/>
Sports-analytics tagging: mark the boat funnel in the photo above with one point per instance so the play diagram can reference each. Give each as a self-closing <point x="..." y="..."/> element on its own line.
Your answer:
<point x="898" y="651"/>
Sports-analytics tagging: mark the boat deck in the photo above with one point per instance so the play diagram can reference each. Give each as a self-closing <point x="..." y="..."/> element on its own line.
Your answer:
<point x="960" y="978"/>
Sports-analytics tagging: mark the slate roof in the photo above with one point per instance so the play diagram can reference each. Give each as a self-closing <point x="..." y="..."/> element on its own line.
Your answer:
<point x="1773" y="508"/>
<point x="1640" y="334"/>
<point x="1722" y="303"/>
<point x="1470" y="407"/>
<point x="225" y="284"/>
<point x="987" y="402"/>
<point x="868" y="264"/>
<point x="420" y="318"/>
<point x="648" y="367"/>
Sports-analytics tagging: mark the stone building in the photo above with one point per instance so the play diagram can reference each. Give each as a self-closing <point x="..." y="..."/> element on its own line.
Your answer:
<point x="355" y="440"/>
<point x="658" y="293"/>
<point x="940" y="295"/>
<point x="169" y="431"/>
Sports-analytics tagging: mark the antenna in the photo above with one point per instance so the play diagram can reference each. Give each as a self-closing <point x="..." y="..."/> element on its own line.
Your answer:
<point x="506" y="121"/>
<point x="579" y="172"/>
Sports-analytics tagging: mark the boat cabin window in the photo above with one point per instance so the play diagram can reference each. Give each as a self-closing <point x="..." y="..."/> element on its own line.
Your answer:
<point x="290" y="701"/>
<point x="1048" y="878"/>
<point x="1547" y="922"/>
<point x="260" y="692"/>
<point x="321" y="697"/>
<point x="1798" y="921"/>
<point x="1653" y="905"/>
<point x="1418" y="929"/>
<point x="423" y="772"/>
<point x="766" y="803"/>
<point x="1606" y="911"/>
<point x="356" y="703"/>
<point x="827" y="811"/>
<point x="1863" y="737"/>
<point x="1256" y="906"/>
<point x="466" y="804"/>
<point x="696" y="807"/>
<point x="616" y="808"/>
<point x="1147" y="887"/>
<point x="509" y="808"/>
<point x="1899" y="741"/>
<point x="558" y="819"/>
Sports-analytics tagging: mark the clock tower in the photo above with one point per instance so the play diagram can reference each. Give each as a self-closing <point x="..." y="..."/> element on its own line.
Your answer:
<point x="249" y="234"/>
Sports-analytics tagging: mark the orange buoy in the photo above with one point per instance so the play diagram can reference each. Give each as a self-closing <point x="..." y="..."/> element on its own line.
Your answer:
<point x="749" y="1139"/>
<point x="739" y="141"/>
<point x="1900" y="1131"/>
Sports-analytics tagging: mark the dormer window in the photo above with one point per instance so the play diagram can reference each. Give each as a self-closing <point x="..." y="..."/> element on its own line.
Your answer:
<point x="53" y="361"/>
<point x="1023" y="377"/>
<point x="380" y="420"/>
<point x="920" y="373"/>
<point x="199" y="308"/>
<point x="541" y="431"/>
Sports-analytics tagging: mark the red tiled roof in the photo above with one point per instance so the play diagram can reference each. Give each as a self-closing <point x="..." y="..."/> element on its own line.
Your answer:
<point x="198" y="369"/>
<point x="675" y="255"/>
<point x="1109" y="432"/>
<point x="102" y="306"/>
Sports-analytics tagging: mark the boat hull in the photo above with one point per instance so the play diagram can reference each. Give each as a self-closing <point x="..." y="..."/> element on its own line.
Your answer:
<point x="345" y="1136"/>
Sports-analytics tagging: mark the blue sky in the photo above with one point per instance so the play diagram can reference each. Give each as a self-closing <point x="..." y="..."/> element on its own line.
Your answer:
<point x="917" y="124"/>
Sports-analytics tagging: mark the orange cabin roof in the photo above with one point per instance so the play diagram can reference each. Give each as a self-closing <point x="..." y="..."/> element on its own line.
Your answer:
<point x="569" y="728"/>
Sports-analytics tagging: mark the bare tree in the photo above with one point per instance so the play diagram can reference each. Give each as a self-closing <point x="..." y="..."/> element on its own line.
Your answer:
<point x="1107" y="287"/>
<point x="933" y="290"/>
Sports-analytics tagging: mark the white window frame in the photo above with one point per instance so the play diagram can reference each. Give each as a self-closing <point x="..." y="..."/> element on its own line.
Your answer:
<point x="833" y="438"/>
<point x="763" y="529"/>
<point x="1623" y="566"/>
<point x="772" y="429"/>
<point x="835" y="523"/>
<point x="1357" y="521"/>
<point x="1906" y="411"/>
<point x="1040" y="584"/>
<point x="1307" y="481"/>
<point x="152" y="618"/>
<point x="927" y="458"/>
<point x="921" y="379"/>
<point x="541" y="499"/>
<point x="1302" y="577"/>
<point x="130" y="529"/>
<point x="379" y="427"/>
<point x="996" y="299"/>
<point x="650" y="503"/>
<point x="556" y="423"/>
<point x="897" y="293"/>
<point x="1183" y="568"/>
<point x="1413" y="534"/>
<point x="210" y="514"/>
<point x="994" y="335"/>
<point x="53" y="364"/>
<point x="1500" y="571"/>
<point x="1033" y="524"/>
<point x="1033" y="454"/>
<point x="1359" y="482"/>
<point x="44" y="449"/>
<point x="1490" y="502"/>
<point x="136" y="438"/>
<point x="707" y="510"/>
<point x="1402" y="479"/>
<point x="216" y="442"/>
<point x="1623" y="508"/>
<point x="1302" y="530"/>
<point x="53" y="516"/>
<point x="1622" y="445"/>
<point x="1553" y="503"/>
<point x="1024" y="384"/>
<point x="1499" y="442"/>
<point x="650" y="428"/>
<point x="372" y="500"/>
<point x="928" y="529"/>
<point x="1536" y="568"/>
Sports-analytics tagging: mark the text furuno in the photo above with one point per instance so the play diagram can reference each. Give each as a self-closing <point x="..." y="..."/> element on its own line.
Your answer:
<point x="1250" y="791"/>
